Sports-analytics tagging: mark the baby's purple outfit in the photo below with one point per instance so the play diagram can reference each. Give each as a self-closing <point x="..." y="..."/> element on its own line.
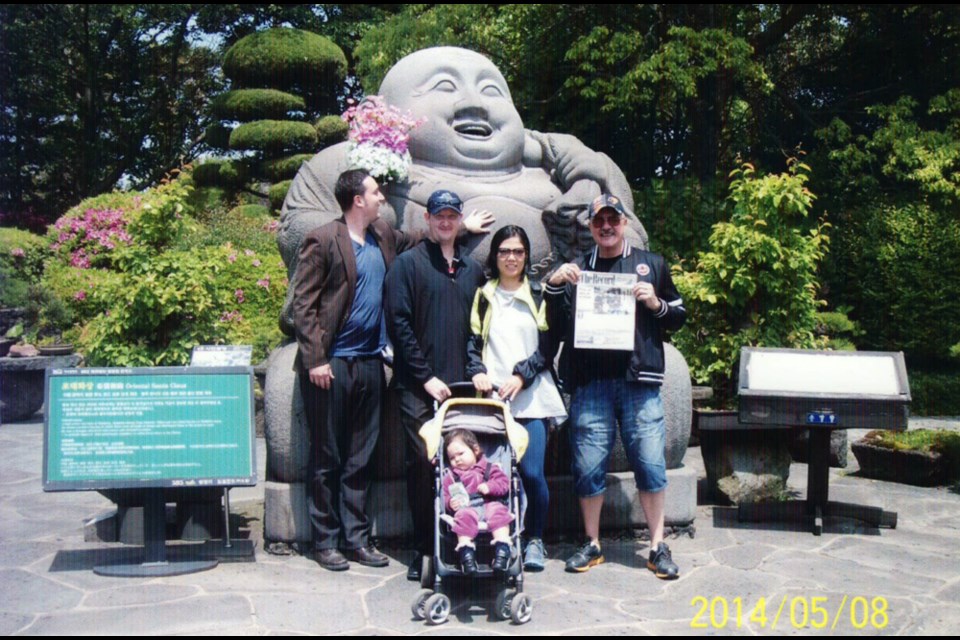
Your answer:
<point x="466" y="521"/>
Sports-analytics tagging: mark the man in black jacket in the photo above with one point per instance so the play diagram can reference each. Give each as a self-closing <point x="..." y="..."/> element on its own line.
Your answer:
<point x="609" y="386"/>
<point x="428" y="294"/>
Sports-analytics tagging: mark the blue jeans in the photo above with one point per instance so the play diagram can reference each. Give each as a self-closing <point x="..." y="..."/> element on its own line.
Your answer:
<point x="534" y="482"/>
<point x="596" y="409"/>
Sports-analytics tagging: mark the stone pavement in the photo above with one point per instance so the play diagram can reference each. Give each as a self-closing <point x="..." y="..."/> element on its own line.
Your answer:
<point x="853" y="579"/>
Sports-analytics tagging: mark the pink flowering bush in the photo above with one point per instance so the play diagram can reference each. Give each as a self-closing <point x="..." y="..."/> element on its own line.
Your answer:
<point x="87" y="239"/>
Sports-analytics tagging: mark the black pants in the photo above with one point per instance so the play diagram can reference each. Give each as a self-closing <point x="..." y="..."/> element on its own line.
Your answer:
<point x="416" y="407"/>
<point x="344" y="423"/>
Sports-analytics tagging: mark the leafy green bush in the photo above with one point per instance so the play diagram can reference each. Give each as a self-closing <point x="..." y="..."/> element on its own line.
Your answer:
<point x="678" y="215"/>
<point x="161" y="308"/>
<point x="255" y="212"/>
<point x="273" y="136"/>
<point x="278" y="192"/>
<point x="204" y="199"/>
<point x="83" y="289"/>
<point x="283" y="168"/>
<point x="230" y="174"/>
<point x="901" y="266"/>
<point x="331" y="130"/>
<point x="236" y="227"/>
<point x="285" y="58"/>
<point x="757" y="283"/>
<point x="22" y="255"/>
<point x="935" y="392"/>
<point x="840" y="331"/>
<point x="255" y="104"/>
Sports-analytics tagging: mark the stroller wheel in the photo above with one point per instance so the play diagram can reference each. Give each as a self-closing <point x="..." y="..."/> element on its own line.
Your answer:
<point x="419" y="605"/>
<point x="521" y="609"/>
<point x="437" y="608"/>
<point x="504" y="599"/>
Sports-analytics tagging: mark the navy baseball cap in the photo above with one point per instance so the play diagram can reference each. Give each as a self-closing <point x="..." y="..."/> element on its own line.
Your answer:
<point x="607" y="201"/>
<point x="441" y="200"/>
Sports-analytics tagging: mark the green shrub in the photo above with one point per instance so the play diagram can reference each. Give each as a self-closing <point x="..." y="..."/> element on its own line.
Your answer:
<point x="229" y="174"/>
<point x="255" y="104"/>
<point x="278" y="193"/>
<point x="246" y="227"/>
<point x="285" y="58"/>
<point x="679" y="214"/>
<point x="204" y="199"/>
<point x="900" y="268"/>
<point x="935" y="392"/>
<point x="162" y="308"/>
<point x="840" y="331"/>
<point x="283" y="168"/>
<point x="256" y="212"/>
<point x="22" y="255"/>
<point x="273" y="135"/>
<point x="331" y="130"/>
<point x="83" y="289"/>
<point x="217" y="136"/>
<point x="757" y="283"/>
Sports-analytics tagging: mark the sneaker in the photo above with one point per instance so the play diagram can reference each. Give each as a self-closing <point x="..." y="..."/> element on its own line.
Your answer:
<point x="534" y="556"/>
<point x="589" y="555"/>
<point x="468" y="560"/>
<point x="662" y="564"/>
<point x="501" y="557"/>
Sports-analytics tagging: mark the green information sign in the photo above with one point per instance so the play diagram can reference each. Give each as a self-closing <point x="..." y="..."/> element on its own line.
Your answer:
<point x="148" y="427"/>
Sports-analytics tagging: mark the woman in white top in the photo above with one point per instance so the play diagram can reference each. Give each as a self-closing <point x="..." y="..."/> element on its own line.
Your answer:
<point x="511" y="347"/>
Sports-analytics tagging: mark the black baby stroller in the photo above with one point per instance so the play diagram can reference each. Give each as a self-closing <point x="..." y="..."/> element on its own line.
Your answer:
<point x="503" y="442"/>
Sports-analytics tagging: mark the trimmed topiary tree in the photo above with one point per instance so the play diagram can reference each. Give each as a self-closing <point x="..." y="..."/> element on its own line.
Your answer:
<point x="282" y="80"/>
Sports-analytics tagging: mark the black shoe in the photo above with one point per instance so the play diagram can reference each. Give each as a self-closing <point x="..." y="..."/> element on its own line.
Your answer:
<point x="587" y="556"/>
<point x="468" y="560"/>
<point x="413" y="571"/>
<point x="368" y="556"/>
<point x="331" y="559"/>
<point x="501" y="557"/>
<point x="662" y="564"/>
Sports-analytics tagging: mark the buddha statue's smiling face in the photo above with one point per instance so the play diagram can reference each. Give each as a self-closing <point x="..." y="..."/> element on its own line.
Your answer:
<point x="471" y="124"/>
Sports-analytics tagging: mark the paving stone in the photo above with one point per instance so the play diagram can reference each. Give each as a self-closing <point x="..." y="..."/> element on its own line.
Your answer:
<point x="940" y="620"/>
<point x="29" y="594"/>
<point x="949" y="593"/>
<point x="10" y="623"/>
<point x="24" y="553"/>
<point x="677" y="601"/>
<point x="622" y="630"/>
<point x="296" y="575"/>
<point x="897" y="556"/>
<point x="192" y="616"/>
<point x="683" y="628"/>
<point x="743" y="555"/>
<point x="304" y="613"/>
<point x="846" y="576"/>
<point x="138" y="594"/>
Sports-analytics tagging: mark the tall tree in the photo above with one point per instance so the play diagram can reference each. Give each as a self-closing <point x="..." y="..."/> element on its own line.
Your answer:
<point x="93" y="94"/>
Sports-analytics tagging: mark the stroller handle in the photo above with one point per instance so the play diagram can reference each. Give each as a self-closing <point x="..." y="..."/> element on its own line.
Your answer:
<point x="464" y="390"/>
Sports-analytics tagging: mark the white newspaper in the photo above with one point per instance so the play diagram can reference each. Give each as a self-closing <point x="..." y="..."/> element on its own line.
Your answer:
<point x="606" y="311"/>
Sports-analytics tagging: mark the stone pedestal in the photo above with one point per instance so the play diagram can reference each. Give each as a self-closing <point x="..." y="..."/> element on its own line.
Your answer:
<point x="21" y="384"/>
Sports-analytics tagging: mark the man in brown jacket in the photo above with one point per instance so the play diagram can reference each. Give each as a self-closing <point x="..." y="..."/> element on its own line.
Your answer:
<point x="338" y="313"/>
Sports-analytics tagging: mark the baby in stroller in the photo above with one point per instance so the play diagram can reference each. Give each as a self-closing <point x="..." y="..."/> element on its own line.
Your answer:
<point x="473" y="488"/>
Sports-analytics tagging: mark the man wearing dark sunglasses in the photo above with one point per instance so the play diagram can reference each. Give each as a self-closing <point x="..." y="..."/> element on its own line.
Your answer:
<point x="613" y="386"/>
